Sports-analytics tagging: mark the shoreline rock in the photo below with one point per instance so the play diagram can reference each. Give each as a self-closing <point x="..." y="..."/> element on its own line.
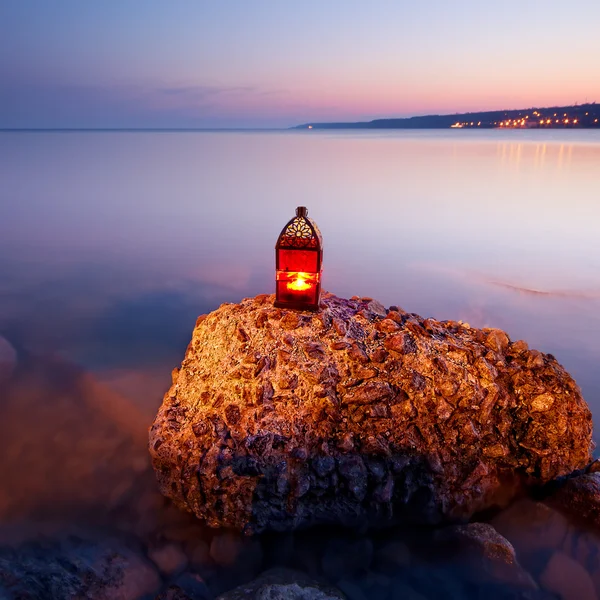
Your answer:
<point x="359" y="415"/>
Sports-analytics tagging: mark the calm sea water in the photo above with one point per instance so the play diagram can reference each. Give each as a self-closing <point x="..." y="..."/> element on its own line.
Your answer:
<point x="112" y="243"/>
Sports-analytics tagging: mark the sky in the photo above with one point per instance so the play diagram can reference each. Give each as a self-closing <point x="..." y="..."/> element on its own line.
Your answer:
<point x="271" y="63"/>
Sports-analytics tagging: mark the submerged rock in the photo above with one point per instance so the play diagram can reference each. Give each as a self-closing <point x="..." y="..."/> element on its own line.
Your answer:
<point x="579" y="497"/>
<point x="74" y="566"/>
<point x="283" y="584"/>
<point x="280" y="419"/>
<point x="483" y="556"/>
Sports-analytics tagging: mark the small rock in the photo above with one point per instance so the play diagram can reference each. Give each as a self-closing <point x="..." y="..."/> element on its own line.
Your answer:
<point x="283" y="584"/>
<point x="198" y="553"/>
<point x="75" y="565"/>
<point x="534" y="529"/>
<point x="482" y="555"/>
<point x="225" y="547"/>
<point x="579" y="497"/>
<point x="567" y="578"/>
<point x="169" y="558"/>
<point x="377" y="308"/>
<point x="188" y="586"/>
<point x="542" y="402"/>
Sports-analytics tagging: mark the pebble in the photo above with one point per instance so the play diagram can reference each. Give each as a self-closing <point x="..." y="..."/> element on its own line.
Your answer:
<point x="169" y="558"/>
<point x="567" y="578"/>
<point x="531" y="527"/>
<point x="188" y="586"/>
<point x="225" y="547"/>
<point x="198" y="553"/>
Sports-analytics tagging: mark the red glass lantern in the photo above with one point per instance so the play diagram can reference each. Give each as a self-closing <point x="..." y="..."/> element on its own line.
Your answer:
<point x="298" y="263"/>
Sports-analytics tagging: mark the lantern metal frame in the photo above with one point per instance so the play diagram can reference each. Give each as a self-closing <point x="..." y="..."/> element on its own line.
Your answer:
<point x="302" y="234"/>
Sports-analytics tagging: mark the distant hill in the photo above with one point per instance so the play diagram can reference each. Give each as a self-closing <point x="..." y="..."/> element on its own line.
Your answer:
<point x="576" y="116"/>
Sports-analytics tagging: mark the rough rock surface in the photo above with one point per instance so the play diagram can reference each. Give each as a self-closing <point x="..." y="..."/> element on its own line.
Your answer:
<point x="283" y="584"/>
<point x="359" y="414"/>
<point x="484" y="555"/>
<point x="579" y="497"/>
<point x="73" y="567"/>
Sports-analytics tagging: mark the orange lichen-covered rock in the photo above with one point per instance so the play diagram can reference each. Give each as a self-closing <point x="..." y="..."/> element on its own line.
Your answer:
<point x="279" y="419"/>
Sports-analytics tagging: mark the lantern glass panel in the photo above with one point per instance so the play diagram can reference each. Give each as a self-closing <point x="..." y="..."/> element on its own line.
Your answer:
<point x="298" y="260"/>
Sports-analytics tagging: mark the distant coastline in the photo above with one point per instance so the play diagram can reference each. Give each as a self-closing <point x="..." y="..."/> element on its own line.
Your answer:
<point x="578" y="116"/>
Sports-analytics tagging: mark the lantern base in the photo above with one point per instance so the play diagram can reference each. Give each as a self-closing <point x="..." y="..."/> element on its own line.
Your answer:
<point x="296" y="305"/>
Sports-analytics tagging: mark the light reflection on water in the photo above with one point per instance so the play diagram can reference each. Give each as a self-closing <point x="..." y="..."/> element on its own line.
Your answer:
<point x="112" y="243"/>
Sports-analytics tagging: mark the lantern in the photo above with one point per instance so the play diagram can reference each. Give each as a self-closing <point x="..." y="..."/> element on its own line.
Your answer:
<point x="298" y="263"/>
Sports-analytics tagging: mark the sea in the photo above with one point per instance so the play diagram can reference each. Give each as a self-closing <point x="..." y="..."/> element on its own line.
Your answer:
<point x="112" y="243"/>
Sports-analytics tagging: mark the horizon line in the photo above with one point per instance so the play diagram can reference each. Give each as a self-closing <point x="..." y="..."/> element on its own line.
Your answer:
<point x="18" y="129"/>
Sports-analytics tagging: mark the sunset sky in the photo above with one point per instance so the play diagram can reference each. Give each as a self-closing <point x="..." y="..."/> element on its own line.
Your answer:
<point x="240" y="63"/>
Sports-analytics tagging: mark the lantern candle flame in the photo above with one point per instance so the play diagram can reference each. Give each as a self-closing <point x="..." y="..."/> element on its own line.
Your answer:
<point x="300" y="283"/>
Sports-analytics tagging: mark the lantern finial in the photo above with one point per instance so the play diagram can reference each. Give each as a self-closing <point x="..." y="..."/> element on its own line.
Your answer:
<point x="302" y="211"/>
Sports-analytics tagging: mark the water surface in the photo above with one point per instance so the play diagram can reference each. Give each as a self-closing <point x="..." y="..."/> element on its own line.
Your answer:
<point x="111" y="243"/>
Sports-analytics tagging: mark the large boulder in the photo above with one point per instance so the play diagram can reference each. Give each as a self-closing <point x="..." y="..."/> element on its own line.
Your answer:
<point x="359" y="414"/>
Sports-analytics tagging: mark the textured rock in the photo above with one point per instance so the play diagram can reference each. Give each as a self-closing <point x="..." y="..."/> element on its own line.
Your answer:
<point x="169" y="558"/>
<point x="283" y="584"/>
<point x="74" y="567"/>
<point x="533" y="528"/>
<point x="279" y="419"/>
<point x="224" y="548"/>
<point x="188" y="586"/>
<point x="482" y="555"/>
<point x="579" y="497"/>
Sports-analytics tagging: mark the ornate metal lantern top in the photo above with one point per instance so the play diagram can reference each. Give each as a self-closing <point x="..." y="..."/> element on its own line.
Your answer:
<point x="300" y="232"/>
